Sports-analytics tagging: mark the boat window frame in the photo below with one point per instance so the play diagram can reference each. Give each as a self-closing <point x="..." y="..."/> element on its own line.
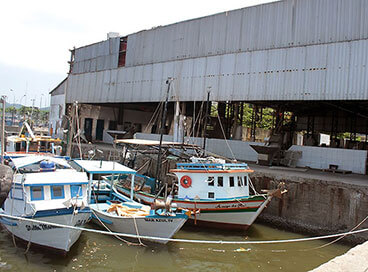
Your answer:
<point x="211" y="195"/>
<point x="80" y="189"/>
<point x="240" y="181"/>
<point x="42" y="193"/>
<point x="231" y="181"/>
<point x="211" y="181"/>
<point x="62" y="191"/>
<point x="222" y="181"/>
<point x="245" y="180"/>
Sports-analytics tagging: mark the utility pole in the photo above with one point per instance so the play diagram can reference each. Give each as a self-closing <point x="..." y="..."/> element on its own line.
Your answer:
<point x="3" y="131"/>
<point x="71" y="132"/>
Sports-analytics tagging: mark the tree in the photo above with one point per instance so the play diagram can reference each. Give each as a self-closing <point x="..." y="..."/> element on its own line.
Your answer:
<point x="11" y="110"/>
<point x="24" y="111"/>
<point x="44" y="116"/>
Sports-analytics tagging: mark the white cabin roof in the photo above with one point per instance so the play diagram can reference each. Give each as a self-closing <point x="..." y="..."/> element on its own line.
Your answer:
<point x="58" y="177"/>
<point x="103" y="167"/>
<point x="29" y="160"/>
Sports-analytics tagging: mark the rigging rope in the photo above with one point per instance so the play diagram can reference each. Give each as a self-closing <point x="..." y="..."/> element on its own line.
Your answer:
<point x="282" y="241"/>
<point x="223" y="132"/>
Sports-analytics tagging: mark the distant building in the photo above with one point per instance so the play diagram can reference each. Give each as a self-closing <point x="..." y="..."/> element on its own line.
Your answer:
<point x="57" y="109"/>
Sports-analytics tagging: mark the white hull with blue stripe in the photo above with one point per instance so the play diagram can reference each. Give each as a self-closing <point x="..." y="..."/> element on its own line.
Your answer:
<point x="117" y="213"/>
<point x="150" y="226"/>
<point x="46" y="189"/>
<point x="58" y="239"/>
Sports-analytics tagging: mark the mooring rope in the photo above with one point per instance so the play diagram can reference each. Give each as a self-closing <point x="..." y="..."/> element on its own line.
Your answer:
<point x="187" y="240"/>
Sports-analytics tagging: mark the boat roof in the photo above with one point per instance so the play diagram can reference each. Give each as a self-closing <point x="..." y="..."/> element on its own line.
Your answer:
<point x="103" y="167"/>
<point x="58" y="177"/>
<point x="153" y="143"/>
<point x="18" y="139"/>
<point x="29" y="160"/>
<point x="212" y="167"/>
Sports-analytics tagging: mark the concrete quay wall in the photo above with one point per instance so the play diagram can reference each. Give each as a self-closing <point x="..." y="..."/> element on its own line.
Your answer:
<point x="314" y="205"/>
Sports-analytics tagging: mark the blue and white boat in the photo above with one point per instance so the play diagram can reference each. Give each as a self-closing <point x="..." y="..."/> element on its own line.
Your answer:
<point x="119" y="213"/>
<point x="46" y="189"/>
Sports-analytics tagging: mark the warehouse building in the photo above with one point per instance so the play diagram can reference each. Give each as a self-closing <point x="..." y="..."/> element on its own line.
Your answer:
<point x="306" y="59"/>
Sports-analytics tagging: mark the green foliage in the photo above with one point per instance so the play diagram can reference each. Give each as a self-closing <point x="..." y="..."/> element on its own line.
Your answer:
<point x="23" y="110"/>
<point x="11" y="110"/>
<point x="44" y="115"/>
<point x="264" y="118"/>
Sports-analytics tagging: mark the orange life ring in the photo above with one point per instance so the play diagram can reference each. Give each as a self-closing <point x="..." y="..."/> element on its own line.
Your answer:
<point x="186" y="181"/>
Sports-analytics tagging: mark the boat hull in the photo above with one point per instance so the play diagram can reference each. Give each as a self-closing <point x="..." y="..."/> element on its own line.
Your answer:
<point x="152" y="226"/>
<point x="236" y="214"/>
<point x="58" y="239"/>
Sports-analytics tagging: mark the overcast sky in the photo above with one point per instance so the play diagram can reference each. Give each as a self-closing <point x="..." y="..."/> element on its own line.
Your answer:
<point x="37" y="35"/>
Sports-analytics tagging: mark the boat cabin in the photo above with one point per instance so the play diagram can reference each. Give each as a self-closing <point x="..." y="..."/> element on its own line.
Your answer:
<point x="205" y="180"/>
<point x="39" y="178"/>
<point x="38" y="144"/>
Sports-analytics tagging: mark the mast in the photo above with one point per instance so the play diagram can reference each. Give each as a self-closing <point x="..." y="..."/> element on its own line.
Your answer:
<point x="163" y="122"/>
<point x="70" y="133"/>
<point x="3" y="131"/>
<point x="205" y="121"/>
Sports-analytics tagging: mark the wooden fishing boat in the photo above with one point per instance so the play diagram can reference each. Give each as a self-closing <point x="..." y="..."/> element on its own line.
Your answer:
<point x="219" y="191"/>
<point x="119" y="213"/>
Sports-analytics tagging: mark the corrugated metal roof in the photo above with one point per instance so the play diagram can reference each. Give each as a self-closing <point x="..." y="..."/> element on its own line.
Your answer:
<point x="274" y="25"/>
<point x="97" y="57"/>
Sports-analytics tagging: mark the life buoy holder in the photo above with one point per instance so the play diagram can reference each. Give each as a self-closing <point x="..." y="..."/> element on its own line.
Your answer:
<point x="186" y="181"/>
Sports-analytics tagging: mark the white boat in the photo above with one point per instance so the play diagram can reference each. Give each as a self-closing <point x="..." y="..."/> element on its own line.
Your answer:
<point x="49" y="190"/>
<point x="219" y="191"/>
<point x="120" y="214"/>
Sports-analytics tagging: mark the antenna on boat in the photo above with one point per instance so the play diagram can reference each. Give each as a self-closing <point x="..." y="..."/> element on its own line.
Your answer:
<point x="163" y="122"/>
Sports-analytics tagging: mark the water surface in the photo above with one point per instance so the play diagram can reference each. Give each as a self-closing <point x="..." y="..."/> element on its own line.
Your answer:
<point x="94" y="252"/>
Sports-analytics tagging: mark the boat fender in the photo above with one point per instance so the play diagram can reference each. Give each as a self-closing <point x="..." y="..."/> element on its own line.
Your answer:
<point x="186" y="182"/>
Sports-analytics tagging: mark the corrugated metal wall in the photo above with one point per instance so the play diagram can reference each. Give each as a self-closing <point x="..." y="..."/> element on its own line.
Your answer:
<point x="288" y="50"/>
<point x="335" y="71"/>
<point x="275" y="25"/>
<point x="97" y="57"/>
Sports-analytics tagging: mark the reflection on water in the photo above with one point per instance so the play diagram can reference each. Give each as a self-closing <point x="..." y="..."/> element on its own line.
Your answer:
<point x="104" y="253"/>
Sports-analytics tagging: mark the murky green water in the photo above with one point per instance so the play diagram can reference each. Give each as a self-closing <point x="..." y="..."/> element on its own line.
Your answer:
<point x="102" y="253"/>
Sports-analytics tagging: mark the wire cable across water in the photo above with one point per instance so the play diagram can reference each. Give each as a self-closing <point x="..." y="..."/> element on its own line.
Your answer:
<point x="187" y="240"/>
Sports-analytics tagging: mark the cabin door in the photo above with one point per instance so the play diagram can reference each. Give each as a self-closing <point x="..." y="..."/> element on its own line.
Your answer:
<point x="99" y="129"/>
<point x="88" y="128"/>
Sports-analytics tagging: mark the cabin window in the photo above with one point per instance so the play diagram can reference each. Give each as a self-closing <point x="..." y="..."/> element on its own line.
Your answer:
<point x="220" y="181"/>
<point x="211" y="195"/>
<point x="231" y="181"/>
<point x="240" y="181"/>
<point x="211" y="181"/>
<point x="245" y="181"/>
<point x="37" y="193"/>
<point x="76" y="190"/>
<point x="57" y="192"/>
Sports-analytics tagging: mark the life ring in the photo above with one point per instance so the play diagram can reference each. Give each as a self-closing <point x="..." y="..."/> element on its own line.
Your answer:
<point x="186" y="182"/>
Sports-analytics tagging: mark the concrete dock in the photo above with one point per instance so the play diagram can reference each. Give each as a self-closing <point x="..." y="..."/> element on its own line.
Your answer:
<point x="317" y="202"/>
<point x="355" y="260"/>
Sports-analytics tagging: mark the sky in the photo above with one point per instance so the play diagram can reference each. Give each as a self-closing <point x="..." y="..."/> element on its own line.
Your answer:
<point x="36" y="35"/>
